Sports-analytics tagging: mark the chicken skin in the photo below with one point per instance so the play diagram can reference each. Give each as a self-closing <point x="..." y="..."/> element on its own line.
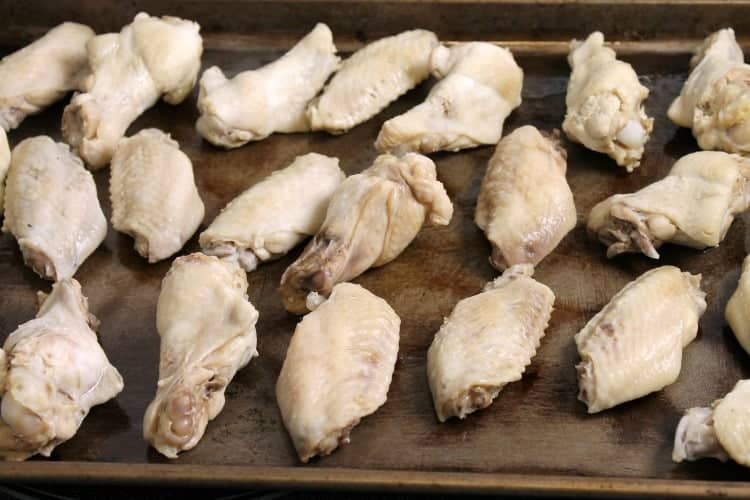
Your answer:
<point x="480" y="85"/>
<point x="337" y="369"/>
<point x="52" y="372"/>
<point x="254" y="104"/>
<point x="525" y="206"/>
<point x="633" y="346"/>
<point x="150" y="58"/>
<point x="207" y="329"/>
<point x="51" y="208"/>
<point x="372" y="218"/>
<point x="605" y="103"/>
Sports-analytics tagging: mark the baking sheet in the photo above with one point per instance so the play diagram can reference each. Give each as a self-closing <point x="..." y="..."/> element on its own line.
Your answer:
<point x="536" y="437"/>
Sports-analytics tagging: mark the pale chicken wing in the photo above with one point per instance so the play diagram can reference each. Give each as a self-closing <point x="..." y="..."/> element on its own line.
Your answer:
<point x="273" y="216"/>
<point x="51" y="208"/>
<point x="337" y="369"/>
<point x="153" y="194"/>
<point x="53" y="372"/>
<point x="480" y="85"/>
<point x="525" y="206"/>
<point x="4" y="165"/>
<point x="633" y="346"/>
<point x="150" y="58"/>
<point x="487" y="342"/>
<point x="694" y="205"/>
<point x="43" y="72"/>
<point x="207" y="329"/>
<point x="372" y="78"/>
<point x="715" y="100"/>
<point x="254" y="104"/>
<point x="372" y="218"/>
<point x="605" y="103"/>
<point x="737" y="311"/>
<point x="721" y="431"/>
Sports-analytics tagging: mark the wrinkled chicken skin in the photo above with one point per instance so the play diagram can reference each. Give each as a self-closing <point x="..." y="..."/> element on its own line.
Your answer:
<point x="487" y="342"/>
<point x="273" y="216"/>
<point x="480" y="85"/>
<point x="150" y="58"/>
<point x="4" y="165"/>
<point x="54" y="371"/>
<point x="372" y="78"/>
<point x="605" y="103"/>
<point x="633" y="346"/>
<point x="715" y="100"/>
<point x="737" y="311"/>
<point x="372" y="218"/>
<point x="51" y="208"/>
<point x="337" y="369"/>
<point x="207" y="329"/>
<point x="694" y="205"/>
<point x="525" y="206"/>
<point x="254" y="104"/>
<point x="153" y="193"/>
<point x="721" y="431"/>
<point x="42" y="72"/>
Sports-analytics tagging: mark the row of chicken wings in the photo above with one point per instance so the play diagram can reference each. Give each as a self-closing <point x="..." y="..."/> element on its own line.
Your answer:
<point x="342" y="356"/>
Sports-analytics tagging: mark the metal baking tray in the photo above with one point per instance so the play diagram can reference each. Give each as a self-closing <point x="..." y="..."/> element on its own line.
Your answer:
<point x="536" y="438"/>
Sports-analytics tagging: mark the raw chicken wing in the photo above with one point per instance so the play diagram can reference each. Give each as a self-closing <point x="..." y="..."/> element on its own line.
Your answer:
<point x="480" y="86"/>
<point x="738" y="308"/>
<point x="525" y="206"/>
<point x="150" y="58"/>
<point x="207" y="329"/>
<point x="605" y="103"/>
<point x="273" y="216"/>
<point x="487" y="342"/>
<point x="43" y="72"/>
<point x="692" y="206"/>
<point x="337" y="369"/>
<point x="153" y="193"/>
<point x="633" y="346"/>
<point x="51" y="208"/>
<point x="4" y="165"/>
<point x="53" y="371"/>
<point x="715" y="100"/>
<point x="372" y="218"/>
<point x="721" y="431"/>
<point x="372" y="78"/>
<point x="254" y="104"/>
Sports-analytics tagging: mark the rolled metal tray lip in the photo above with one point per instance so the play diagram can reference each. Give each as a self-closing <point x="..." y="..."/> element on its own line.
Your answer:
<point x="366" y="479"/>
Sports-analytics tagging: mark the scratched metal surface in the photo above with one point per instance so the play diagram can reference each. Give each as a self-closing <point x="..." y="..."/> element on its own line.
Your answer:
<point x="535" y="427"/>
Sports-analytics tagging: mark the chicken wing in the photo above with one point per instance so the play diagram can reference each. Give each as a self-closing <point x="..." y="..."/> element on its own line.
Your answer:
<point x="715" y="100"/>
<point x="51" y="208"/>
<point x="273" y="216"/>
<point x="254" y="104"/>
<point x="43" y="72"/>
<point x="487" y="342"/>
<point x="153" y="193"/>
<point x="372" y="78"/>
<point x="633" y="346"/>
<point x="525" y="206"/>
<point x="480" y="85"/>
<point x="54" y="371"/>
<point x="207" y="329"/>
<point x="692" y="206"/>
<point x="337" y="369"/>
<point x="738" y="308"/>
<point x="721" y="431"/>
<point x="4" y="165"/>
<point x="372" y="218"/>
<point x="130" y="70"/>
<point x="605" y="103"/>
